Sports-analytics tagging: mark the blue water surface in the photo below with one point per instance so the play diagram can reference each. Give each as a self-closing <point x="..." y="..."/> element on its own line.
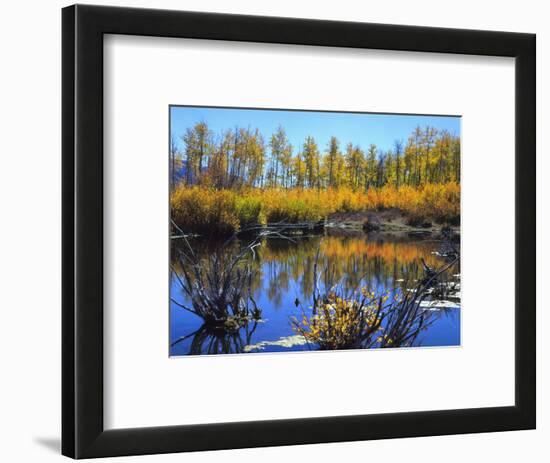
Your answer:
<point x="283" y="290"/>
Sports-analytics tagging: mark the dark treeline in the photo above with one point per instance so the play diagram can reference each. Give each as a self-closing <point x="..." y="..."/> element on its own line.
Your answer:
<point x="243" y="158"/>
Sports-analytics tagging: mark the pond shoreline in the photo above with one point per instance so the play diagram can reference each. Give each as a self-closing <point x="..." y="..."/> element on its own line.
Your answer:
<point x="385" y="221"/>
<point x="372" y="224"/>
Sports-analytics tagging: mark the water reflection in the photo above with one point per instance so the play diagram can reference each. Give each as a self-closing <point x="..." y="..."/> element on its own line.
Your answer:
<point x="206" y="340"/>
<point x="282" y="281"/>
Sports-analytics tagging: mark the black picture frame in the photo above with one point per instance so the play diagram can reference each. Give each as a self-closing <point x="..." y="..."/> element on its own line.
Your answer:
<point x="83" y="433"/>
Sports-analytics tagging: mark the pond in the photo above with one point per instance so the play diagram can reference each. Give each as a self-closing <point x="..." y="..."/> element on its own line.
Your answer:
<point x="282" y="284"/>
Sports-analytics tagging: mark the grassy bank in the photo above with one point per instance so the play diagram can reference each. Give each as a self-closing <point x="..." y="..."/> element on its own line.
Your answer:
<point x="220" y="211"/>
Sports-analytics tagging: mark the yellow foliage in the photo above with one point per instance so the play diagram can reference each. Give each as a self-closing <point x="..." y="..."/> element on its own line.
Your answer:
<point x="202" y="209"/>
<point x="341" y="323"/>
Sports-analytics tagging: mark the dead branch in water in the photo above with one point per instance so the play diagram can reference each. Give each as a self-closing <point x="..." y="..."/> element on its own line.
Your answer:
<point x="219" y="287"/>
<point x="406" y="320"/>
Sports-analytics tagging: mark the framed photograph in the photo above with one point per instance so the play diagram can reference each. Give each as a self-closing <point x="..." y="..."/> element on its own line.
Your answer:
<point x="284" y="231"/>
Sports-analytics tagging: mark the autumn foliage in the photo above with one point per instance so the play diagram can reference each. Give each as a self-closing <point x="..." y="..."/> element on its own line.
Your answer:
<point x="343" y="323"/>
<point x="208" y="210"/>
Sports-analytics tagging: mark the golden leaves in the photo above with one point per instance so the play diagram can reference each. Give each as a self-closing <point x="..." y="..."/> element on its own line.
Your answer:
<point x="198" y="209"/>
<point x="341" y="323"/>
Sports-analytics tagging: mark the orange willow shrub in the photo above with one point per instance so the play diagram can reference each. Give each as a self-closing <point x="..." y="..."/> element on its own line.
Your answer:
<point x="204" y="210"/>
<point x="442" y="202"/>
<point x="293" y="205"/>
<point x="207" y="210"/>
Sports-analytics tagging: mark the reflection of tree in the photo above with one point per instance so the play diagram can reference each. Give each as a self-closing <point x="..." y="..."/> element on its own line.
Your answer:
<point x="208" y="340"/>
<point x="350" y="260"/>
<point x="278" y="280"/>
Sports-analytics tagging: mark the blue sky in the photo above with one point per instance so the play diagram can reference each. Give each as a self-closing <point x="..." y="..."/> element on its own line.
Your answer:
<point x="360" y="129"/>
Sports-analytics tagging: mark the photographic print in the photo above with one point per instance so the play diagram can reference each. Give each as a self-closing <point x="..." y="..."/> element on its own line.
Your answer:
<point x="295" y="230"/>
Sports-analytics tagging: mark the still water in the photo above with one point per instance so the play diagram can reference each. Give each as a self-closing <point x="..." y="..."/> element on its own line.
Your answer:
<point x="282" y="284"/>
